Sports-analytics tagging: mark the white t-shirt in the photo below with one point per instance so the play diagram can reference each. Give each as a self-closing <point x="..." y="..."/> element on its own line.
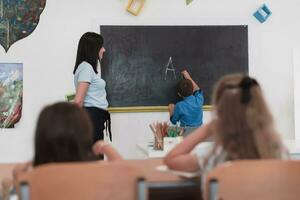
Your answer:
<point x="96" y="93"/>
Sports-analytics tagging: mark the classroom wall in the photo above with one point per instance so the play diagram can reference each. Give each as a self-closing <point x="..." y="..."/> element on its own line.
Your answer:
<point x="49" y="52"/>
<point x="296" y="64"/>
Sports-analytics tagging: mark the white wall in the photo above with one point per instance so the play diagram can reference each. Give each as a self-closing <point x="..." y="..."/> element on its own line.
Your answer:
<point x="296" y="63"/>
<point x="49" y="52"/>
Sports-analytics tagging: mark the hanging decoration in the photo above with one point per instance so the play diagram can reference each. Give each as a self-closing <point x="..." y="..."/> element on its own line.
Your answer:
<point x="18" y="19"/>
<point x="135" y="6"/>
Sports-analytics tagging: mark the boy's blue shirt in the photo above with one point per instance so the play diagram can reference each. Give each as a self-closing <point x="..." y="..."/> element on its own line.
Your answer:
<point x="189" y="111"/>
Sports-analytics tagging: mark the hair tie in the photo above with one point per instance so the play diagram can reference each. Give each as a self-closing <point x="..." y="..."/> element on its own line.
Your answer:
<point x="245" y="85"/>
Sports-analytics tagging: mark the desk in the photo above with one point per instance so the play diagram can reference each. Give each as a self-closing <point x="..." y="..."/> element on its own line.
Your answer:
<point x="146" y="151"/>
<point x="294" y="148"/>
<point x="148" y="171"/>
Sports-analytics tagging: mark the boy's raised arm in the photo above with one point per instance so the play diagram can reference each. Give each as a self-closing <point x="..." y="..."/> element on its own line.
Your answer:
<point x="186" y="75"/>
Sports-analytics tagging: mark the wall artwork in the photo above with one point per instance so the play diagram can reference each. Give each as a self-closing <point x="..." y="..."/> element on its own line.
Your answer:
<point x="18" y="19"/>
<point x="263" y="13"/>
<point x="135" y="6"/>
<point x="11" y="94"/>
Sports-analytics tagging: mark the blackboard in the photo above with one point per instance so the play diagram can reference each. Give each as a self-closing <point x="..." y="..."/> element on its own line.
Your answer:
<point x="136" y="59"/>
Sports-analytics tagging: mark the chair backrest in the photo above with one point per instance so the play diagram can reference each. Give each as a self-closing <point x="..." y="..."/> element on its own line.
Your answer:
<point x="249" y="179"/>
<point x="180" y="190"/>
<point x="78" y="181"/>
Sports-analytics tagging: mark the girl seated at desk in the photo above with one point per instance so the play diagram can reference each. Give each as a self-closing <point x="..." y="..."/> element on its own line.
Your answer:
<point x="241" y="128"/>
<point x="63" y="134"/>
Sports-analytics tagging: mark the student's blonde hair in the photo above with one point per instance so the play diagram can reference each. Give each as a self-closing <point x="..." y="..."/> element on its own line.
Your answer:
<point x="243" y="124"/>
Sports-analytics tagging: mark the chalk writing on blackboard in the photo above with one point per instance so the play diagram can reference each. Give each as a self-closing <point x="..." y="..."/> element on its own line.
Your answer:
<point x="170" y="67"/>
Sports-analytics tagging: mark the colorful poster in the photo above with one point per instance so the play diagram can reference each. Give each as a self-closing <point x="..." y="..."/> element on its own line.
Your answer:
<point x="18" y="19"/>
<point x="11" y="94"/>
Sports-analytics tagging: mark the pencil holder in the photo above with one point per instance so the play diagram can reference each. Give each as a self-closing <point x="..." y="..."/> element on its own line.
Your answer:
<point x="158" y="143"/>
<point x="159" y="130"/>
<point x="174" y="131"/>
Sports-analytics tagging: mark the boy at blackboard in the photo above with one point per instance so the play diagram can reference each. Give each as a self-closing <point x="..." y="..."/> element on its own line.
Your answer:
<point x="187" y="112"/>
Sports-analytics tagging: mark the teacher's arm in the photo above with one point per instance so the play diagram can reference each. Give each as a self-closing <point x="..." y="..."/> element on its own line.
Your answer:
<point x="81" y="91"/>
<point x="180" y="158"/>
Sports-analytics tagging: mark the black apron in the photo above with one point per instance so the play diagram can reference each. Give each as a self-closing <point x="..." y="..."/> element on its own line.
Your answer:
<point x="101" y="120"/>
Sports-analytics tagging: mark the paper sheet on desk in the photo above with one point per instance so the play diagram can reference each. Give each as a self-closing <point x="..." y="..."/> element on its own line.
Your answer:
<point x="164" y="168"/>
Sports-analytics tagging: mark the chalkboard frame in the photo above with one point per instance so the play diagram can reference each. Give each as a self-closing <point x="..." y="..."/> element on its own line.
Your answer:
<point x="147" y="109"/>
<point x="127" y="109"/>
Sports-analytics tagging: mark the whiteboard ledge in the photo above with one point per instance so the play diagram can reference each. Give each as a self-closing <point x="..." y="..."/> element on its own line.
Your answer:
<point x="147" y="109"/>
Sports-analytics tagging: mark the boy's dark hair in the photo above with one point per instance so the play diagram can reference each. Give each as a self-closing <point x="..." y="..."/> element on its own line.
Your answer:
<point x="63" y="134"/>
<point x="88" y="50"/>
<point x="185" y="88"/>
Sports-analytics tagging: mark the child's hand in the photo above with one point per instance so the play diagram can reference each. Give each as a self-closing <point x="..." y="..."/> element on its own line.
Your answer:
<point x="98" y="147"/>
<point x="21" y="168"/>
<point x="101" y="147"/>
<point x="186" y="75"/>
<point x="171" y="108"/>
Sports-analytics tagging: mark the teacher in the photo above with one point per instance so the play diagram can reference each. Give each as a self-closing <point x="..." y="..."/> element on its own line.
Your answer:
<point x="90" y="87"/>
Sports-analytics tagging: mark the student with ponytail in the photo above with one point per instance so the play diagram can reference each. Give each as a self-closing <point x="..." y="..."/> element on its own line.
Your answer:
<point x="241" y="128"/>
